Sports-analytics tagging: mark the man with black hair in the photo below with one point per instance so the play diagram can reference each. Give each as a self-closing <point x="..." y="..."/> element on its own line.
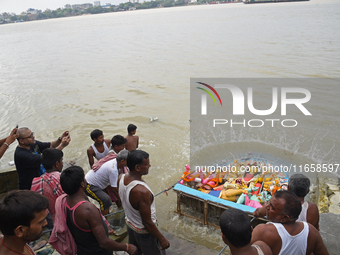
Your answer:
<point x="48" y="184"/>
<point x="117" y="144"/>
<point x="285" y="235"/>
<point x="22" y="218"/>
<point x="100" y="148"/>
<point x="132" y="140"/>
<point x="236" y="233"/>
<point x="83" y="219"/>
<point x="106" y="177"/>
<point x="139" y="205"/>
<point x="299" y="184"/>
<point x="27" y="156"/>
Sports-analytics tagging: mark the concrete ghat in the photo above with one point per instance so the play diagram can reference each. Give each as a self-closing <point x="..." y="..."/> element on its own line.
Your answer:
<point x="330" y="232"/>
<point x="180" y="246"/>
<point x="183" y="247"/>
<point x="326" y="194"/>
<point x="8" y="180"/>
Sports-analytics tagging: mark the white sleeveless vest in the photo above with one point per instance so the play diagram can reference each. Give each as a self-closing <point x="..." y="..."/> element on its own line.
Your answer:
<point x="99" y="155"/>
<point x="132" y="215"/>
<point x="303" y="214"/>
<point x="292" y="245"/>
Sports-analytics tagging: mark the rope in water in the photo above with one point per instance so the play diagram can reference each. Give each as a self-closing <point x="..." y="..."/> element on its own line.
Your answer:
<point x="223" y="249"/>
<point x="167" y="189"/>
<point x="46" y="231"/>
<point x="155" y="196"/>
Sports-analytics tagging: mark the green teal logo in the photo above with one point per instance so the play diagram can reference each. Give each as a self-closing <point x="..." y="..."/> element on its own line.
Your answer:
<point x="209" y="93"/>
<point x="204" y="97"/>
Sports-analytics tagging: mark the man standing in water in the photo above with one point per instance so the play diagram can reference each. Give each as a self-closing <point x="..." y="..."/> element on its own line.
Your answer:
<point x="100" y="148"/>
<point x="131" y="139"/>
<point x="27" y="156"/>
<point x="139" y="205"/>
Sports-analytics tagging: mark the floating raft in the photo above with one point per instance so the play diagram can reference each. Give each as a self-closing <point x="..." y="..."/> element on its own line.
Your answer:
<point x="211" y="207"/>
<point x="246" y="184"/>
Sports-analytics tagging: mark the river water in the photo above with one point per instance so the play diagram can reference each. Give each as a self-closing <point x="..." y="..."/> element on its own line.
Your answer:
<point x="106" y="71"/>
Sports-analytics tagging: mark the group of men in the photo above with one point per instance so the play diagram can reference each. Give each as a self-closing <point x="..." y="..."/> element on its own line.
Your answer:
<point x="117" y="177"/>
<point x="75" y="219"/>
<point x="293" y="226"/>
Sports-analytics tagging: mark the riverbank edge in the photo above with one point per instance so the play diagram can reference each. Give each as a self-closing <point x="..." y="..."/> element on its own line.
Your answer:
<point x="329" y="231"/>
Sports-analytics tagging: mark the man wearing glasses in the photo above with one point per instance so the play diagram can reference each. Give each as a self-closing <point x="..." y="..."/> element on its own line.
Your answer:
<point x="27" y="156"/>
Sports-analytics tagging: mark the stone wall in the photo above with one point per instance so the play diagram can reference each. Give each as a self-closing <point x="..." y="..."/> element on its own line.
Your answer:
<point x="325" y="193"/>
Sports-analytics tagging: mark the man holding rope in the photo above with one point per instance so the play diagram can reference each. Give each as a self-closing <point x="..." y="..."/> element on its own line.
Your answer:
<point x="139" y="205"/>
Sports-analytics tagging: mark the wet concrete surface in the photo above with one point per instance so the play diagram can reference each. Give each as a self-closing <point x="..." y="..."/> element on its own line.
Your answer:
<point x="330" y="232"/>
<point x="180" y="246"/>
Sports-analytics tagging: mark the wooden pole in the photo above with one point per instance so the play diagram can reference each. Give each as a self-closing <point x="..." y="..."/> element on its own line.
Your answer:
<point x="205" y="212"/>
<point x="178" y="202"/>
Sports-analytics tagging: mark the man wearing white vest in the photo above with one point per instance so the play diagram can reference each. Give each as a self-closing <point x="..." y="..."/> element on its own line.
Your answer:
<point x="285" y="235"/>
<point x="139" y="204"/>
<point x="299" y="185"/>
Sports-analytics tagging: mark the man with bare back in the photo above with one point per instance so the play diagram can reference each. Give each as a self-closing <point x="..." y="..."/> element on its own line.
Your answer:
<point x="131" y="138"/>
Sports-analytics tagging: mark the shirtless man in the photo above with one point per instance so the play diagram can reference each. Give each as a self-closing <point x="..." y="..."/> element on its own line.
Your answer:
<point x="285" y="235"/>
<point x="100" y="148"/>
<point x="299" y="185"/>
<point x="236" y="233"/>
<point x="22" y="218"/>
<point x="132" y="139"/>
<point x="139" y="205"/>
